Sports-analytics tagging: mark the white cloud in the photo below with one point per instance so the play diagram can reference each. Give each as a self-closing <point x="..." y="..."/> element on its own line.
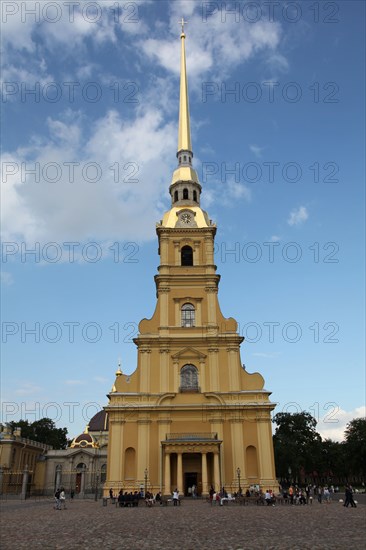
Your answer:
<point x="334" y="422"/>
<point x="27" y="388"/>
<point x="6" y="278"/>
<point x="275" y="238"/>
<point x="298" y="216"/>
<point x="75" y="382"/>
<point x="101" y="379"/>
<point x="131" y="158"/>
<point x="238" y="191"/>
<point x="278" y="62"/>
<point x="256" y="150"/>
<point x="215" y="47"/>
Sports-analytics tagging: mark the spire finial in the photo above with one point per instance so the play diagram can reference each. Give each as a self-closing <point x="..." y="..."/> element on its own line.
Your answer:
<point x="119" y="371"/>
<point x="184" y="133"/>
<point x="182" y="22"/>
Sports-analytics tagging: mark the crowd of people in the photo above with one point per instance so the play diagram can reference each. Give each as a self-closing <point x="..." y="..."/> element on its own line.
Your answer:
<point x="292" y="495"/>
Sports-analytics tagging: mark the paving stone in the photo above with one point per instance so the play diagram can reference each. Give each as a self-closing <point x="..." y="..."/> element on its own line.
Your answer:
<point x="192" y="526"/>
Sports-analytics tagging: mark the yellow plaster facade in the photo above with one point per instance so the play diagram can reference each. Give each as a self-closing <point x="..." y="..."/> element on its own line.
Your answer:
<point x="190" y="414"/>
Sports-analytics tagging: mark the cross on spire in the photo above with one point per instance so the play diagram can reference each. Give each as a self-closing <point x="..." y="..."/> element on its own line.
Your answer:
<point x="182" y="22"/>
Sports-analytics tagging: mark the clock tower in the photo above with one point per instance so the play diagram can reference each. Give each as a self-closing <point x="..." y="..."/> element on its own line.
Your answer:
<point x="189" y="415"/>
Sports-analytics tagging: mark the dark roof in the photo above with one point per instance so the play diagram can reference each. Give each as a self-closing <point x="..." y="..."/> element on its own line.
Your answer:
<point x="83" y="437"/>
<point x="99" y="422"/>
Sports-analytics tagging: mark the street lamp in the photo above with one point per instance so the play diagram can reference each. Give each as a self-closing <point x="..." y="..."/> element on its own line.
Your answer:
<point x="146" y="473"/>
<point x="238" y="474"/>
<point x="96" y="487"/>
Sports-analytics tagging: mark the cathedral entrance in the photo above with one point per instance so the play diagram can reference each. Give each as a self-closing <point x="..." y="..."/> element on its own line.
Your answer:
<point x="191" y="460"/>
<point x="78" y="483"/>
<point x="190" y="481"/>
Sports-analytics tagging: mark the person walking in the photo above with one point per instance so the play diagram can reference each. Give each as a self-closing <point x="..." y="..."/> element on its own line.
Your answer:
<point x="349" y="497"/>
<point x="57" y="499"/>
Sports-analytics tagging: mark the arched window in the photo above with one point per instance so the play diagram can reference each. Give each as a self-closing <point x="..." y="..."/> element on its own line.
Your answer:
<point x="103" y="473"/>
<point x="185" y="158"/>
<point x="175" y="196"/>
<point x="188" y="313"/>
<point x="185" y="194"/>
<point x="195" y="196"/>
<point x="186" y="255"/>
<point x="189" y="378"/>
<point x="189" y="158"/>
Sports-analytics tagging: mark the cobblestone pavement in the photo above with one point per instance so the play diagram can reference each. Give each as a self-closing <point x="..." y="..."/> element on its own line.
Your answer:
<point x="194" y="525"/>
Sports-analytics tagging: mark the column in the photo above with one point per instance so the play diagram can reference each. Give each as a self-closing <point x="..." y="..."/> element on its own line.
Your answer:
<point x="145" y="369"/>
<point x="58" y="477"/>
<point x="211" y="305"/>
<point x="176" y="381"/>
<point x="177" y="252"/>
<point x="167" y="484"/>
<point x="218" y="427"/>
<point x="177" y="312"/>
<point x="163" y="299"/>
<point x="164" y="370"/>
<point x="196" y="253"/>
<point x="202" y="375"/>
<point x="217" y="480"/>
<point x="265" y="452"/>
<point x="237" y="446"/>
<point x="199" y="312"/>
<point x="233" y="367"/>
<point x="116" y="452"/>
<point x="164" y="241"/>
<point x="204" y="474"/>
<point x="1" y="480"/>
<point x="24" y="483"/>
<point x="82" y="483"/>
<point x="180" y="472"/>
<point x="143" y="442"/>
<point x="209" y="250"/>
<point x="213" y="369"/>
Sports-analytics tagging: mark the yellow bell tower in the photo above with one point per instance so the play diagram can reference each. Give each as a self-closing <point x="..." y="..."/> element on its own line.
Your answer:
<point x="190" y="415"/>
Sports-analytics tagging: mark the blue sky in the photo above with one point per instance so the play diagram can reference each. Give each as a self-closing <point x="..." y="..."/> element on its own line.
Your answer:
<point x="277" y="108"/>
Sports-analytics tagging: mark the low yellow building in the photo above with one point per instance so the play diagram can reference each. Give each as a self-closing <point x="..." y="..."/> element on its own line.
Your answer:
<point x="190" y="415"/>
<point x="22" y="463"/>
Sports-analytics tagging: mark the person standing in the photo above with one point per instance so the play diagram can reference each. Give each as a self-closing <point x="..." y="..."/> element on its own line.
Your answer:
<point x="175" y="497"/>
<point x="62" y="499"/>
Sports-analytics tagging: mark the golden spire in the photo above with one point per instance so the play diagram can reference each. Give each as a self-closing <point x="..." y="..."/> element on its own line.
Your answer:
<point x="184" y="131"/>
<point x="119" y="371"/>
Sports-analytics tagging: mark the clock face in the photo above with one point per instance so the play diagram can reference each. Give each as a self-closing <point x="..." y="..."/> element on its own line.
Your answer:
<point x="186" y="218"/>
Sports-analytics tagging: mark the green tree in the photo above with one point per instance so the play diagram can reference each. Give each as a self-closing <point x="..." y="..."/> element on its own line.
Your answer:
<point x="332" y="460"/>
<point x="44" y="431"/>
<point x="355" y="446"/>
<point x="297" y="444"/>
